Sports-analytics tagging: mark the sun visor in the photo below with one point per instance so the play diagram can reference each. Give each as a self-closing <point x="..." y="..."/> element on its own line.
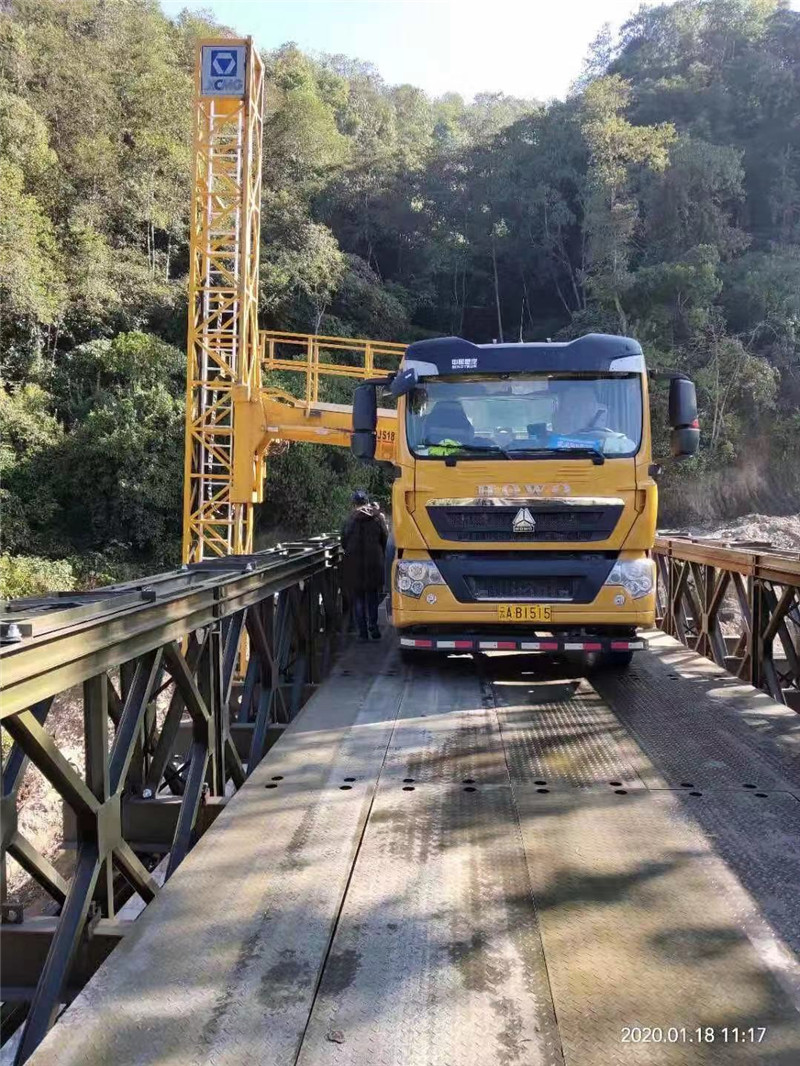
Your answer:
<point x="596" y="352"/>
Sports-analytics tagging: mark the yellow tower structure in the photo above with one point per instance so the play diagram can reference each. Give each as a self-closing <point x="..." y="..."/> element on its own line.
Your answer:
<point x="231" y="418"/>
<point x="223" y="345"/>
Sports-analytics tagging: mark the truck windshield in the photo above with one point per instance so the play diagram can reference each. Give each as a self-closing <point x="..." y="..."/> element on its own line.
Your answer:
<point x="522" y="415"/>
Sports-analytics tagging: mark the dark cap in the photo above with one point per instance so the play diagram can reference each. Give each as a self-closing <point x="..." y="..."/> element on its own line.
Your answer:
<point x="360" y="498"/>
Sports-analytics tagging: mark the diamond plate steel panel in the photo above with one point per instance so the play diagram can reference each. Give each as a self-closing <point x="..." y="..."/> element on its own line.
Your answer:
<point x="759" y="837"/>
<point x="561" y="734"/>
<point x="438" y="953"/>
<point x="222" y="967"/>
<point x="642" y="926"/>
<point x="437" y="959"/>
<point x="447" y="730"/>
<point x="702" y="726"/>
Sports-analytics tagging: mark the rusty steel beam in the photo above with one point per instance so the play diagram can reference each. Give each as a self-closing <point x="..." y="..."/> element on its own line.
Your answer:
<point x="695" y="578"/>
<point x="156" y="659"/>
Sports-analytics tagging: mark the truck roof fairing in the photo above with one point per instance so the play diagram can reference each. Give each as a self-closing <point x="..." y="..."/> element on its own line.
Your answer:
<point x="595" y="352"/>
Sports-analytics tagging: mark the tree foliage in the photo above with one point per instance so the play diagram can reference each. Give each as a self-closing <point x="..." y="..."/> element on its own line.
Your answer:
<point x="661" y="198"/>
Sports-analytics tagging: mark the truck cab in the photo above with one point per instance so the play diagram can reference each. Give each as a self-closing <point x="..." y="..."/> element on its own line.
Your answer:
<point x="524" y="503"/>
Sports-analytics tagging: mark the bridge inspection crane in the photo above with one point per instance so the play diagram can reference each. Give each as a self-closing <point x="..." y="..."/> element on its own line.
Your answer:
<point x="468" y="862"/>
<point x="231" y="418"/>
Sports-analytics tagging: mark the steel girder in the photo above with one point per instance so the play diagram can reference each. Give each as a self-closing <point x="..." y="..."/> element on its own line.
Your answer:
<point x="759" y="594"/>
<point x="168" y="727"/>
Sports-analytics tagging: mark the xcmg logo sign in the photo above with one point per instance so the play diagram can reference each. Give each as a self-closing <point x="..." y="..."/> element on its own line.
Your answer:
<point x="223" y="70"/>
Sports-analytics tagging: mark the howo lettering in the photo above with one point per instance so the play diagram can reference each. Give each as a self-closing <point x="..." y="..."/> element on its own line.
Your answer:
<point x="524" y="502"/>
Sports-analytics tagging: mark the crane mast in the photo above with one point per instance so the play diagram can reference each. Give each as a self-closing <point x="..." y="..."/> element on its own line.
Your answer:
<point x="231" y="417"/>
<point x="223" y="344"/>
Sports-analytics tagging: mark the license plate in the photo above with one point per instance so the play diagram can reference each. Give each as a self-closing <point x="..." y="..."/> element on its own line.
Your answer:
<point x="524" y="612"/>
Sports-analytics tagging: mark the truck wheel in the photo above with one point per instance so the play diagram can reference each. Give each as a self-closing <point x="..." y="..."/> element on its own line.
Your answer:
<point x="613" y="660"/>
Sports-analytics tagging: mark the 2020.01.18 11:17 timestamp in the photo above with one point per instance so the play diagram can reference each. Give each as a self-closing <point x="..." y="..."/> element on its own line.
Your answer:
<point x="700" y="1034"/>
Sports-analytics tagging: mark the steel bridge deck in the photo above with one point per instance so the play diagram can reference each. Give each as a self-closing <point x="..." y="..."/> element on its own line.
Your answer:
<point x="481" y="864"/>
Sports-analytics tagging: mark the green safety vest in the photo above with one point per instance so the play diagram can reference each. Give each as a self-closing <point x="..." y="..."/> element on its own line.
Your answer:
<point x="444" y="447"/>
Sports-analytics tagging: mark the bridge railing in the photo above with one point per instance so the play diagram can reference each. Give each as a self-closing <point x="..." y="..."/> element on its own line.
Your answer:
<point x="169" y="731"/>
<point x="738" y="605"/>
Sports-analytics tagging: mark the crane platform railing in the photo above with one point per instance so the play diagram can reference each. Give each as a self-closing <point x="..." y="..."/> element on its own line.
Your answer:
<point x="316" y="356"/>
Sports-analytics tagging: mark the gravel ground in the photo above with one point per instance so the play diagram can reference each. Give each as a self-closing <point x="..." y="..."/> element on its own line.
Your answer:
<point x="39" y="805"/>
<point x="781" y="531"/>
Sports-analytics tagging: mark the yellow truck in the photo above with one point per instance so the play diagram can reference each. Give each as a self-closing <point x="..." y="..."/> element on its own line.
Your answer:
<point x="524" y="498"/>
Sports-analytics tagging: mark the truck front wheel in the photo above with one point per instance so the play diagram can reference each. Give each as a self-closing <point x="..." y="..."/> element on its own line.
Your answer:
<point x="612" y="660"/>
<point x="410" y="655"/>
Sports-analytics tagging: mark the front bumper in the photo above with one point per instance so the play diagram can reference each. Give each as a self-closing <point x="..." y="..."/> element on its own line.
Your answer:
<point x="521" y="642"/>
<point x="445" y="610"/>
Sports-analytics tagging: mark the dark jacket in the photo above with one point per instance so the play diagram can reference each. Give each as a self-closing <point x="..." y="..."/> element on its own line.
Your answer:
<point x="364" y="543"/>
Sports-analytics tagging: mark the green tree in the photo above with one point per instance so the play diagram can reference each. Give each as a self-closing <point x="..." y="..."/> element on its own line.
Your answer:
<point x="615" y="146"/>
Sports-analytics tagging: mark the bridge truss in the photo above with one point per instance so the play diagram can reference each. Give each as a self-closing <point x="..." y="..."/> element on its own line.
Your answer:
<point x="168" y="733"/>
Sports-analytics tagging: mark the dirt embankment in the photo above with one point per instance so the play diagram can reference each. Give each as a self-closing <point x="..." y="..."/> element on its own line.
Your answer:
<point x="780" y="531"/>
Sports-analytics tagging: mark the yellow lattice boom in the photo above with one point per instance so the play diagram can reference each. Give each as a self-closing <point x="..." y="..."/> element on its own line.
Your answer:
<point x="223" y="360"/>
<point x="231" y="418"/>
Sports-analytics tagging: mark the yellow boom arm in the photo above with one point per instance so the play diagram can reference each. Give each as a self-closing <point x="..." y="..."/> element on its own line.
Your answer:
<point x="275" y="415"/>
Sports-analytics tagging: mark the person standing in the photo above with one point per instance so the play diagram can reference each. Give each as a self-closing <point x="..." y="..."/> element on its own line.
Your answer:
<point x="364" y="544"/>
<point x="376" y="507"/>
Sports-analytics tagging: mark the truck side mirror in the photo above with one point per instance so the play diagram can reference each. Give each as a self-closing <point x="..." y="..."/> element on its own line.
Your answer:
<point x="365" y="420"/>
<point x="404" y="381"/>
<point x="685" y="436"/>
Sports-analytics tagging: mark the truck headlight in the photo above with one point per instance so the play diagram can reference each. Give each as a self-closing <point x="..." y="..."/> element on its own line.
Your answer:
<point x="636" y="576"/>
<point x="412" y="576"/>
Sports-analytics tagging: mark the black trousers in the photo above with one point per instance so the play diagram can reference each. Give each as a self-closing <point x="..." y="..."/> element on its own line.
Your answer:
<point x="365" y="610"/>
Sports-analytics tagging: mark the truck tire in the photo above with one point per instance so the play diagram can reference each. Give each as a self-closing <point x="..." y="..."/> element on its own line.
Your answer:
<point x="613" y="660"/>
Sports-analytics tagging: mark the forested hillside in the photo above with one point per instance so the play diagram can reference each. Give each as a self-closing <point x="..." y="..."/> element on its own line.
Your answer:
<point x="661" y="199"/>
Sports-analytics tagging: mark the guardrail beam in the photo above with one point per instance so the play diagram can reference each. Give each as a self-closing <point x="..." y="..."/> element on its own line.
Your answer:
<point x="762" y="592"/>
<point x="158" y="659"/>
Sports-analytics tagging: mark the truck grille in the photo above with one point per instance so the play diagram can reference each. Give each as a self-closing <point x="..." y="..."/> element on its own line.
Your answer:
<point x="561" y="589"/>
<point x="474" y="575"/>
<point x="552" y="522"/>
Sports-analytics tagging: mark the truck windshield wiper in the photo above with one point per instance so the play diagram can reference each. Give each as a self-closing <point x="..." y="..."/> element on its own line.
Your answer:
<point x="597" y="457"/>
<point x="488" y="448"/>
